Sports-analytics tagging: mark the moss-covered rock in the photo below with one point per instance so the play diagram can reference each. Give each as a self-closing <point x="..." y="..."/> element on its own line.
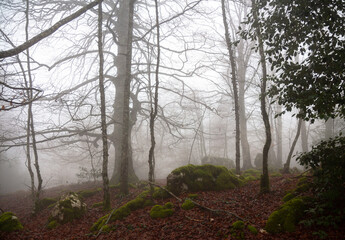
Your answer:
<point x="160" y="193"/>
<point x="285" y="218"/>
<point x="238" y="225"/>
<point x="69" y="207"/>
<point x="159" y="211"/>
<point x="88" y="193"/>
<point x="9" y="222"/>
<point x="218" y="161"/>
<point x="187" y="204"/>
<point x="201" y="178"/>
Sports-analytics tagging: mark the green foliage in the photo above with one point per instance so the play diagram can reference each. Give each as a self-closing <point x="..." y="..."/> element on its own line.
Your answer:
<point x="315" y="30"/>
<point x="327" y="160"/>
<point x="159" y="211"/>
<point x="9" y="222"/>
<point x="187" y="205"/>
<point x="285" y="218"/>
<point x="201" y="178"/>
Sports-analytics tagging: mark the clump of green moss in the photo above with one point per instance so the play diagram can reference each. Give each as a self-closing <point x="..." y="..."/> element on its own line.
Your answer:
<point x="288" y="197"/>
<point x="159" y="211"/>
<point x="252" y="172"/>
<point x="52" y="224"/>
<point x="238" y="225"/>
<point x="9" y="222"/>
<point x="201" y="178"/>
<point x="193" y="196"/>
<point x="285" y="218"/>
<point x="276" y="174"/>
<point x="159" y="193"/>
<point x="237" y="230"/>
<point x="88" y="193"/>
<point x="97" y="205"/>
<point x="252" y="229"/>
<point x="187" y="205"/>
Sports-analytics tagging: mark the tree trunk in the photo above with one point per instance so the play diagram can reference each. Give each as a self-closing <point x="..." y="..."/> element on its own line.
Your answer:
<point x="154" y="108"/>
<point x="122" y="29"/>
<point x="304" y="137"/>
<point x="106" y="194"/>
<point x="279" y="136"/>
<point x="264" y="183"/>
<point x="235" y="89"/>
<point x="126" y="124"/>
<point x="329" y="128"/>
<point x="288" y="160"/>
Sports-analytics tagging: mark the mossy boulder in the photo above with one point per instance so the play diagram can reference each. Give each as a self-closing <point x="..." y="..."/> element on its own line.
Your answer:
<point x="287" y="216"/>
<point x="69" y="207"/>
<point x="201" y="178"/>
<point x="187" y="204"/>
<point x="9" y="222"/>
<point x="288" y="197"/>
<point x="159" y="211"/>
<point x="89" y="193"/>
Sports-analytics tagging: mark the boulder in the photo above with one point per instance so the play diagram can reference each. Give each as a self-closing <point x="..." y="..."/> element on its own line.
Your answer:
<point x="207" y="177"/>
<point x="69" y="207"/>
<point x="9" y="222"/>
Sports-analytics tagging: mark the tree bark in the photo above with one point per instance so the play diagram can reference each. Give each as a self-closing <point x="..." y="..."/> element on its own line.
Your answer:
<point x="234" y="86"/>
<point x="126" y="125"/>
<point x="288" y="160"/>
<point x="264" y="183"/>
<point x="154" y="108"/>
<point x="106" y="194"/>
<point x="304" y="137"/>
<point x="279" y="136"/>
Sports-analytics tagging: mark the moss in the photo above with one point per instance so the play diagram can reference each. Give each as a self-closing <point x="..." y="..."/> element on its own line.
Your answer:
<point x="187" y="205"/>
<point x="302" y="180"/>
<point x="159" y="193"/>
<point x="288" y="197"/>
<point x="135" y="204"/>
<point x="285" y="218"/>
<point x="238" y="225"/>
<point x="193" y="196"/>
<point x="9" y="222"/>
<point x="87" y="193"/>
<point x="303" y="188"/>
<point x="52" y="224"/>
<point x="169" y="205"/>
<point x="100" y="222"/>
<point x="97" y="205"/>
<point x="276" y="174"/>
<point x="107" y="228"/>
<point x="120" y="213"/>
<point x="159" y="211"/>
<point x="44" y="203"/>
<point x="201" y="178"/>
<point x="250" y="178"/>
<point x="252" y="229"/>
<point x="252" y="172"/>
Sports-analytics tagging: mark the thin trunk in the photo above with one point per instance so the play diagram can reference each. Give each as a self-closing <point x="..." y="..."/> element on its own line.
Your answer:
<point x="235" y="89"/>
<point x="304" y="137"/>
<point x="30" y="114"/>
<point x="329" y="128"/>
<point x="288" y="160"/>
<point x="264" y="183"/>
<point x="126" y="125"/>
<point x="154" y="108"/>
<point x="196" y="134"/>
<point x="106" y="194"/>
<point x="279" y="134"/>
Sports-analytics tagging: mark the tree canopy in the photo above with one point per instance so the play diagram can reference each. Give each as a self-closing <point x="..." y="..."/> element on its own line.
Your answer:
<point x="306" y="46"/>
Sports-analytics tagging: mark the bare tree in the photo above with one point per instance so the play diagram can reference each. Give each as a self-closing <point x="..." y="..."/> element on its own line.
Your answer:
<point x="286" y="168"/>
<point x="229" y="45"/>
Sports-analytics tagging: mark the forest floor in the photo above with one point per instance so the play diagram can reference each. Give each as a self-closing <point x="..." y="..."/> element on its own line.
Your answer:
<point x="245" y="202"/>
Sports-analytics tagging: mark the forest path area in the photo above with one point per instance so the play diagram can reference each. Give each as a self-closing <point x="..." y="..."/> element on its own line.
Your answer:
<point x="197" y="223"/>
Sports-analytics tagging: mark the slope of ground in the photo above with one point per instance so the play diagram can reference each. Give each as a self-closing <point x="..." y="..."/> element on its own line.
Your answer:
<point x="244" y="202"/>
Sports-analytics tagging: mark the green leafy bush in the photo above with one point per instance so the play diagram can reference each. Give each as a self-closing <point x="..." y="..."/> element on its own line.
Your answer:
<point x="327" y="161"/>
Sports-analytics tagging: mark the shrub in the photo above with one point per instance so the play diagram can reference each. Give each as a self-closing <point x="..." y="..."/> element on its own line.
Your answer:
<point x="327" y="161"/>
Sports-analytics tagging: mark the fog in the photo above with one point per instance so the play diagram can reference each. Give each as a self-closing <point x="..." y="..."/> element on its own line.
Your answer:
<point x="196" y="116"/>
